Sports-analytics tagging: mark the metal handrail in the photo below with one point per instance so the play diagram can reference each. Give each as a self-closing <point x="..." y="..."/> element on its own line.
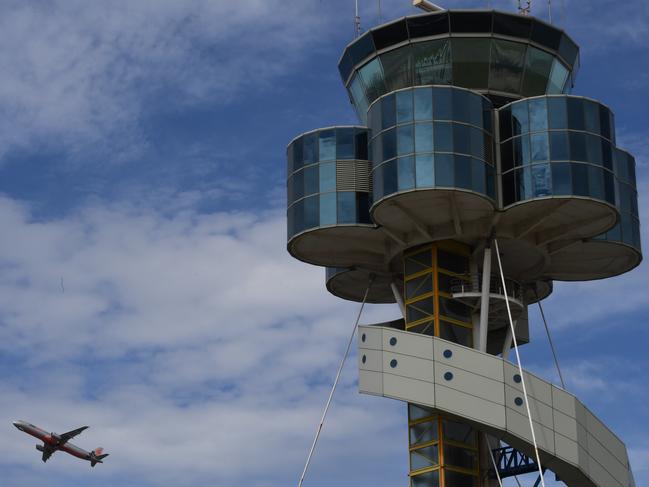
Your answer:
<point x="472" y="283"/>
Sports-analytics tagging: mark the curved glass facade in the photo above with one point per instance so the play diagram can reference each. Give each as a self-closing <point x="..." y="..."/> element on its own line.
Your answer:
<point x="431" y="137"/>
<point x="328" y="179"/>
<point x="520" y="57"/>
<point x="627" y="230"/>
<point x="557" y="146"/>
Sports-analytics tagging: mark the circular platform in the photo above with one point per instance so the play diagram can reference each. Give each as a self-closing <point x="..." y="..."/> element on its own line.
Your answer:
<point x="351" y="284"/>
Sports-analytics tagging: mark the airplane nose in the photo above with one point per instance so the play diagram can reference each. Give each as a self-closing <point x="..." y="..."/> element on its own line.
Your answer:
<point x="16" y="424"/>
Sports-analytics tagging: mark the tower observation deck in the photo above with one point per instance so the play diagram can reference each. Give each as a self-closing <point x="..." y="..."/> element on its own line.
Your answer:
<point x="468" y="135"/>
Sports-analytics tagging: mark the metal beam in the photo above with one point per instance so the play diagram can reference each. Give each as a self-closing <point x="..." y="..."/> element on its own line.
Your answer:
<point x="536" y="222"/>
<point x="457" y="223"/>
<point x="420" y="228"/>
<point x="484" y="304"/>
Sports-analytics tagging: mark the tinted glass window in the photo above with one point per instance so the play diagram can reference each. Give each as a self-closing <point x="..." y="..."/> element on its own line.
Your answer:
<point x="388" y="111"/>
<point x="546" y="35"/>
<point x="568" y="50"/>
<point x="542" y="180"/>
<point x="463" y="172"/>
<point x="442" y="104"/>
<point x="406" y="169"/>
<point x="424" y="137"/>
<point x="389" y="139"/>
<point x="358" y="96"/>
<point x="558" y="112"/>
<point x="432" y="62"/>
<point x="397" y="66"/>
<point x="540" y="147"/>
<point x="505" y="124"/>
<point x="470" y="21"/>
<point x="311" y="212"/>
<point x="510" y="25"/>
<point x="561" y="178"/>
<point x="605" y="122"/>
<point x="538" y="65"/>
<point x="596" y="182"/>
<point x="363" y="47"/>
<point x="593" y="149"/>
<point x="478" y="180"/>
<point x="424" y="171"/>
<point x="506" y="65"/>
<point x="390" y="182"/>
<point x="508" y="188"/>
<point x="310" y="149"/>
<point x="404" y="106"/>
<point x="344" y="144"/>
<point x="327" y="177"/>
<point x="443" y="137"/>
<point x="458" y="479"/>
<point x="311" y="184"/>
<point x="559" y="148"/>
<point x="538" y="114"/>
<point x="390" y="34"/>
<point x="298" y="156"/>
<point x="575" y="113"/>
<point x="444" y="170"/>
<point x="372" y="75"/>
<point x="520" y="118"/>
<point x="471" y="62"/>
<point x="361" y="145"/>
<point x="405" y="142"/>
<point x="423" y="104"/>
<point x="591" y="116"/>
<point x="558" y="78"/>
<point x="346" y="207"/>
<point x="506" y="156"/>
<point x="428" y="25"/>
<point x="578" y="146"/>
<point x="327" y="145"/>
<point x="346" y="66"/>
<point x="328" y="209"/>
<point x="580" y="179"/>
<point x="428" y="479"/>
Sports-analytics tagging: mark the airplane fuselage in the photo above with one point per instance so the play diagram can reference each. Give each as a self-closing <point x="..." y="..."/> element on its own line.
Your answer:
<point x="52" y="441"/>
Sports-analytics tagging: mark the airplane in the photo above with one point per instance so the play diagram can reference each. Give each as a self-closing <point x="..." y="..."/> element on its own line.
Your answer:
<point x="53" y="442"/>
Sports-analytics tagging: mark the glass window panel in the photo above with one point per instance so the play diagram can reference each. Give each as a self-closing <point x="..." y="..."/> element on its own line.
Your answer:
<point x="542" y="180"/>
<point x="458" y="479"/>
<point x="423" y="104"/>
<point x="372" y="75"/>
<point x="477" y="143"/>
<point x="524" y="184"/>
<point x="361" y="144"/>
<point x="505" y="124"/>
<point x="506" y="65"/>
<point x="462" y="138"/>
<point x="416" y="412"/>
<point x="374" y="118"/>
<point x="509" y="193"/>
<point x="580" y="180"/>
<point x="428" y="479"/>
<point x="471" y="62"/>
<point x="487" y="113"/>
<point x="455" y="333"/>
<point x="561" y="178"/>
<point x="478" y="176"/>
<point x="362" y="47"/>
<point x="390" y="181"/>
<point x="404" y="106"/>
<point x="397" y="66"/>
<point x="406" y="166"/>
<point x="311" y="212"/>
<point x="418" y="262"/>
<point x="521" y="148"/>
<point x="424" y="137"/>
<point x="540" y="147"/>
<point x="442" y="104"/>
<point x="538" y="65"/>
<point x="405" y="142"/>
<point x="593" y="148"/>
<point x="459" y="432"/>
<point x="546" y="35"/>
<point x="390" y="34"/>
<point x="344" y="144"/>
<point x="558" y="78"/>
<point x="461" y="100"/>
<point x="452" y="308"/>
<point x="377" y="183"/>
<point x="298" y="217"/>
<point x="460" y="457"/>
<point x="568" y="49"/>
<point x="425" y="171"/>
<point x="538" y="114"/>
<point x="346" y="201"/>
<point x="389" y="141"/>
<point x="559" y="149"/>
<point x="357" y="92"/>
<point x="418" y="310"/>
<point x="311" y="184"/>
<point x="446" y="283"/>
<point x="471" y="21"/>
<point x="507" y="156"/>
<point x="444" y="170"/>
<point x="346" y="66"/>
<point x="310" y="149"/>
<point x="443" y="137"/>
<point x="432" y="62"/>
<point x="578" y="146"/>
<point x="388" y="112"/>
<point x="520" y="118"/>
<point x="591" y="117"/>
<point x="625" y="197"/>
<point x="298" y="156"/>
<point x="328" y="209"/>
<point x="298" y="185"/>
<point x="458" y="264"/>
<point x="428" y="25"/>
<point x="596" y="182"/>
<point x="558" y="112"/>
<point x="512" y="25"/>
<point x="463" y="172"/>
<point x="575" y="113"/>
<point x="419" y="286"/>
<point x="363" y="208"/>
<point x="377" y="150"/>
<point x="605" y="122"/>
<point x="607" y="154"/>
<point x="609" y="187"/>
<point x="423" y="432"/>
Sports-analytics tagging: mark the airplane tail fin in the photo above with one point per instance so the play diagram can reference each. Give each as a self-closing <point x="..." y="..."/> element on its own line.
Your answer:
<point x="96" y="456"/>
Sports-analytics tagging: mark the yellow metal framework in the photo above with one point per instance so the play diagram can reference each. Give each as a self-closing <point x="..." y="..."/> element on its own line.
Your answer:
<point x="434" y="453"/>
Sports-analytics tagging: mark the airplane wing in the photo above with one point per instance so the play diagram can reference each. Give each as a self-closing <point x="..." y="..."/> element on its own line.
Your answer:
<point x="65" y="437"/>
<point x="48" y="451"/>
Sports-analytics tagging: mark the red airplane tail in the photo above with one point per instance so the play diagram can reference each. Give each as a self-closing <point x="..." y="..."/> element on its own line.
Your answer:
<point x="96" y="456"/>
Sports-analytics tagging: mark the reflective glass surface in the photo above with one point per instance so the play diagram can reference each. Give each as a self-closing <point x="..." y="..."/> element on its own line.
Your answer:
<point x="411" y="149"/>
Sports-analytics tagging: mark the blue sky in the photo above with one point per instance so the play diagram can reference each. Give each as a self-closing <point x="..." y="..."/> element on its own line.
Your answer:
<point x="145" y="288"/>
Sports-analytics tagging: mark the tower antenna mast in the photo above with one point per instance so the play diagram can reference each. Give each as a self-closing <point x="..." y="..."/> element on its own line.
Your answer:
<point x="525" y="9"/>
<point x="357" y="20"/>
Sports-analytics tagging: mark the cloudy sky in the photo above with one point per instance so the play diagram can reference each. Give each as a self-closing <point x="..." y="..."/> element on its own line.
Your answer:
<point x="145" y="289"/>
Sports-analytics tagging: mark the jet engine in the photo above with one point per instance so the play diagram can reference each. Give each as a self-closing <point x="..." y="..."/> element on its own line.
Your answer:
<point x="39" y="447"/>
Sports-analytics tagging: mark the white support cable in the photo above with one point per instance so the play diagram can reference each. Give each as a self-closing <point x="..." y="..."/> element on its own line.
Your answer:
<point x="493" y="460"/>
<point x="547" y="331"/>
<point x="333" y="388"/>
<point x="520" y="367"/>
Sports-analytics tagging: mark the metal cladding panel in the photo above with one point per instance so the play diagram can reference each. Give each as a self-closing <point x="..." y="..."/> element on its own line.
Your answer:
<point x="604" y="477"/>
<point x="464" y="381"/>
<point x="567" y="449"/>
<point x="468" y="359"/>
<point x="603" y="457"/>
<point x="408" y="344"/>
<point x="370" y="360"/>
<point x="371" y="337"/>
<point x="536" y="388"/>
<point x="370" y="382"/>
<point x="564" y="402"/>
<point x="470" y="407"/>
<point x="540" y="411"/>
<point x="605" y="437"/>
<point x="408" y="366"/>
<point x="565" y="425"/>
<point x="410" y="390"/>
<point x="519" y="425"/>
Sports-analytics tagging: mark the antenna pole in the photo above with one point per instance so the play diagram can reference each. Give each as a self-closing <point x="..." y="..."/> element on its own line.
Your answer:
<point x="550" y="10"/>
<point x="357" y="21"/>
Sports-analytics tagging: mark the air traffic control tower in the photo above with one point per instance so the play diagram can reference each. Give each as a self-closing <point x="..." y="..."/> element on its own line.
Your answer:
<point x="468" y="141"/>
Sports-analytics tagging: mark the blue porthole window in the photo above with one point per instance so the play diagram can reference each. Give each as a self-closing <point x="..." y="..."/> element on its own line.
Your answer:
<point x="364" y="359"/>
<point x="393" y="341"/>
<point x="363" y="338"/>
<point x="517" y="379"/>
<point x="518" y="401"/>
<point x="448" y="376"/>
<point x="448" y="353"/>
<point x="393" y="363"/>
